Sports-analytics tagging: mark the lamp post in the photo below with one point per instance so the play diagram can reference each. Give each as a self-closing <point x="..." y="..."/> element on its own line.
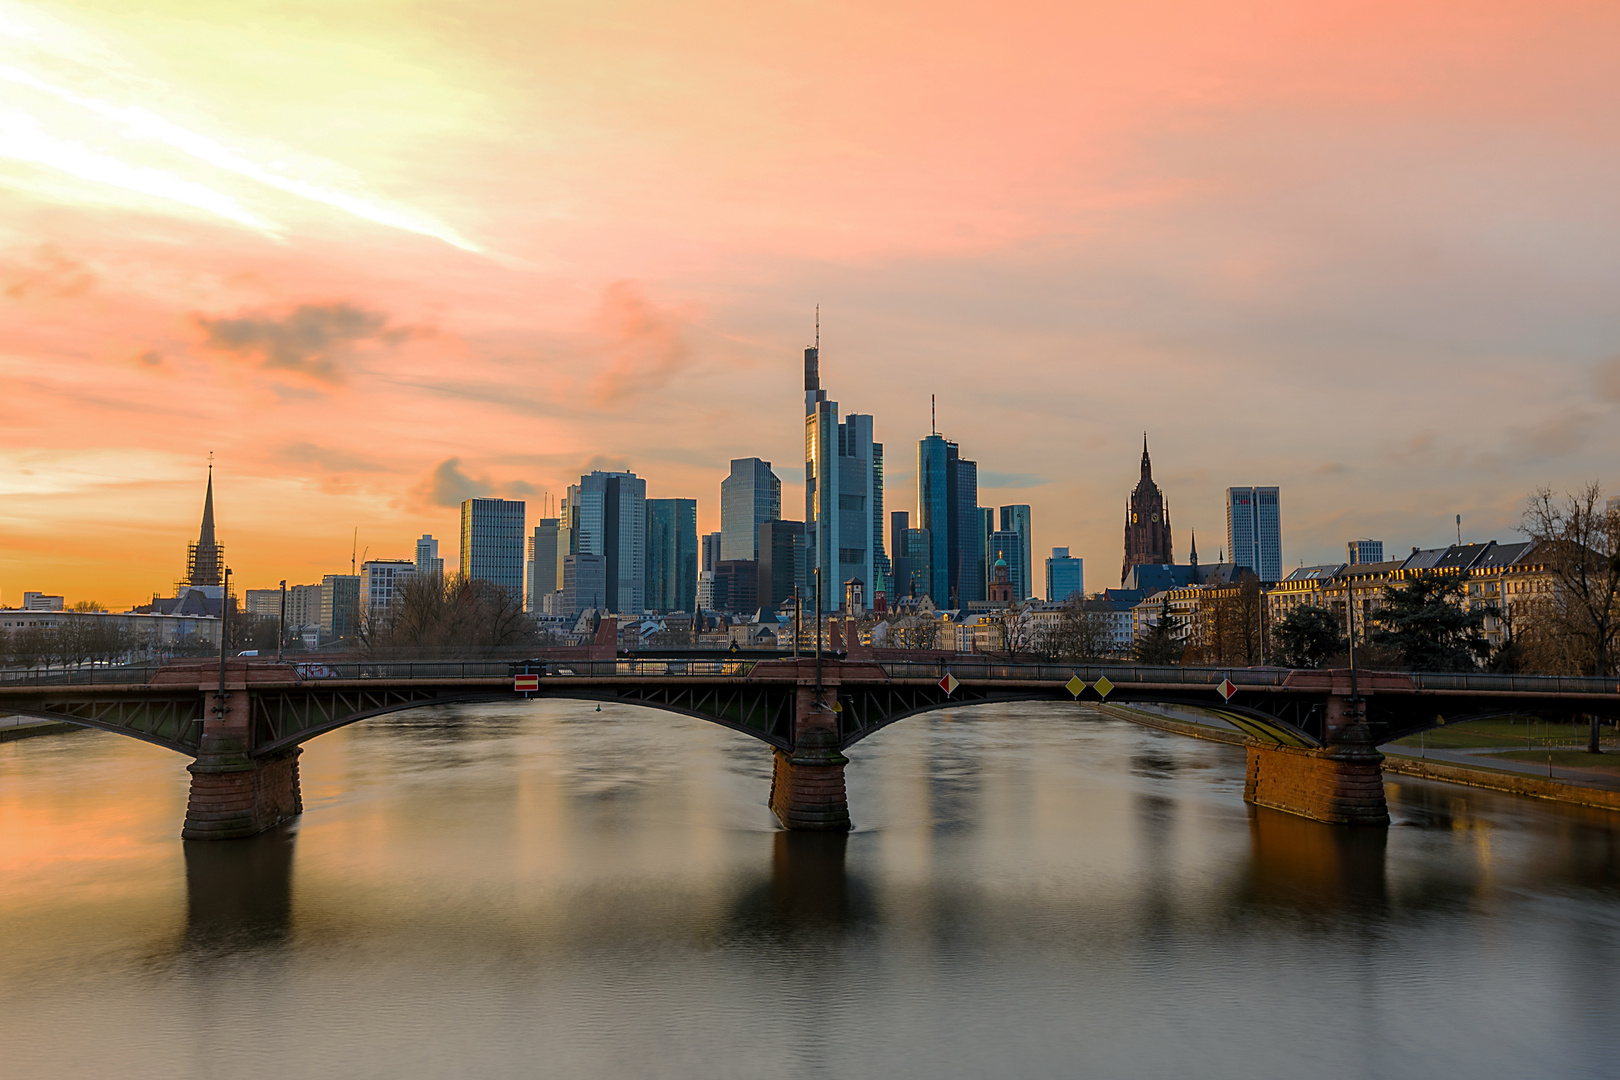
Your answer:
<point x="281" y="623"/>
<point x="224" y="638"/>
<point x="818" y="638"/>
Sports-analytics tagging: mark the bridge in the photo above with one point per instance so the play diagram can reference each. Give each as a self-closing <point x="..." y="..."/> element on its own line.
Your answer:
<point x="1312" y="735"/>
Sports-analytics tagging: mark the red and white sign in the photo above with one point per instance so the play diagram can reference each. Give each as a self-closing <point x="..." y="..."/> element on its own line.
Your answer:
<point x="526" y="683"/>
<point x="949" y="684"/>
<point x="1226" y="689"/>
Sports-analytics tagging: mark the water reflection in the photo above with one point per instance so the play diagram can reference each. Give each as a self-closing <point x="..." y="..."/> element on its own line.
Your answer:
<point x="809" y="888"/>
<point x="1320" y="871"/>
<point x="239" y="892"/>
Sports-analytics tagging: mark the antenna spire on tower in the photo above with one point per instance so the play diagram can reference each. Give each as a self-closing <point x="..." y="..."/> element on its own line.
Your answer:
<point x="818" y="327"/>
<point x="933" y="424"/>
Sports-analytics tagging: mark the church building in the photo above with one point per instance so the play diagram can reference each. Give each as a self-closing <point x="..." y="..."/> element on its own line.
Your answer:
<point x="1147" y="523"/>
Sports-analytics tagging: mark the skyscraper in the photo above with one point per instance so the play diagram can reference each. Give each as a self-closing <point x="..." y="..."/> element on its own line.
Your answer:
<point x="1147" y="523"/>
<point x="492" y="543"/>
<point x="750" y="496"/>
<point x="672" y="554"/>
<point x="843" y="493"/>
<point x="1065" y="576"/>
<point x="1016" y="518"/>
<point x="781" y="562"/>
<point x="609" y="511"/>
<point x="427" y="556"/>
<point x="948" y="509"/>
<point x="709" y="559"/>
<point x="543" y="564"/>
<point x="340" y="606"/>
<point x="1254" y="531"/>
<point x="1007" y="547"/>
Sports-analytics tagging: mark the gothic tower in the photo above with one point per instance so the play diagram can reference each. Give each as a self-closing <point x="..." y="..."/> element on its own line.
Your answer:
<point x="1147" y="522"/>
<point x="205" y="560"/>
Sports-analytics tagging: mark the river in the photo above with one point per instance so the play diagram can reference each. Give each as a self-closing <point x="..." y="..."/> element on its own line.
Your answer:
<point x="544" y="890"/>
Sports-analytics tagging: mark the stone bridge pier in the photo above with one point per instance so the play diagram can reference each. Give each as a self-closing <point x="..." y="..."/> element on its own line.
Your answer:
<point x="234" y="793"/>
<point x="1341" y="783"/>
<point x="807" y="786"/>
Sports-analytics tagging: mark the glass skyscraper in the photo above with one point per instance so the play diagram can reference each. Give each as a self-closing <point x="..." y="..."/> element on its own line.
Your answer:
<point x="606" y="513"/>
<point x="1016" y="519"/>
<point x="749" y="497"/>
<point x="843" y="494"/>
<point x="1254" y="530"/>
<point x="948" y="508"/>
<point x="672" y="554"/>
<point x="492" y="543"/>
<point x="1065" y="576"/>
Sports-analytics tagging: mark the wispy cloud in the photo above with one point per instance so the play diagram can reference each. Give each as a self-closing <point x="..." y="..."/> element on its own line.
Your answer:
<point x="641" y="341"/>
<point x="313" y="340"/>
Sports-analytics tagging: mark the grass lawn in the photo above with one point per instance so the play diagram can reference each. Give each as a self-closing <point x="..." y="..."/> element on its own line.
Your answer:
<point x="1607" y="764"/>
<point x="1502" y="732"/>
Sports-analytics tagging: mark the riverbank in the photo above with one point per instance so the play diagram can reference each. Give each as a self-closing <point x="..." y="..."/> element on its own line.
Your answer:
<point x="26" y="727"/>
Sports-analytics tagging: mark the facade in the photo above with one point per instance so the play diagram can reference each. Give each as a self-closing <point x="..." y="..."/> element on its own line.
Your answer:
<point x="262" y="603"/>
<point x="609" y="518"/>
<point x="948" y="509"/>
<point x="149" y="631"/>
<point x="1364" y="551"/>
<point x="1007" y="546"/>
<point x="919" y="549"/>
<point x="1001" y="586"/>
<point x="37" y="601"/>
<point x="1016" y="519"/>
<point x="782" y="563"/>
<point x="843" y="493"/>
<point x="492" y="543"/>
<point x="1147" y="523"/>
<point x="382" y="581"/>
<point x="749" y="497"/>
<point x="340" y="606"/>
<point x="672" y="554"/>
<point x="1065" y="576"/>
<point x="1254" y="530"/>
<point x="543" y="565"/>
<point x="584" y="583"/>
<point x="736" y="586"/>
<point x="427" y="557"/>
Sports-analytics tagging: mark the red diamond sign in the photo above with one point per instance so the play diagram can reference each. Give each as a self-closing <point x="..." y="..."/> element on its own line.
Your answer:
<point x="1226" y="689"/>
<point x="526" y="683"/>
<point x="949" y="684"/>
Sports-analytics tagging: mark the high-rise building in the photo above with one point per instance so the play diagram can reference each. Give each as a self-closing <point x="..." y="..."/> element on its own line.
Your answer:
<point x="750" y="496"/>
<point x="382" y="582"/>
<point x="542" y="565"/>
<point x="919" y="548"/>
<point x="1007" y="547"/>
<point x="427" y="556"/>
<point x="1016" y="518"/>
<point x="1254" y="531"/>
<point x="899" y="560"/>
<point x="948" y="509"/>
<point x="608" y="512"/>
<point x="584" y="583"/>
<point x="1365" y="551"/>
<point x="708" y="559"/>
<point x="672" y="554"/>
<point x="843" y="493"/>
<point x="736" y="586"/>
<point x="492" y="543"/>
<point x="340" y="606"/>
<point x="781" y="562"/>
<point x="1147" y="523"/>
<point x="1065" y="576"/>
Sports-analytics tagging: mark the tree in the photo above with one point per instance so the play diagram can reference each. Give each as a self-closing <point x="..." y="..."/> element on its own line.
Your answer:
<point x="1161" y="644"/>
<point x="457" y="615"/>
<point x="1230" y="622"/>
<point x="1426" y="623"/>
<point x="1577" y="625"/>
<point x="1080" y="632"/>
<point x="1308" y="637"/>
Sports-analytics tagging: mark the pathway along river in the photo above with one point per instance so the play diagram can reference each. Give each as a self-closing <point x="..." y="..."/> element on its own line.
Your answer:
<point x="548" y="891"/>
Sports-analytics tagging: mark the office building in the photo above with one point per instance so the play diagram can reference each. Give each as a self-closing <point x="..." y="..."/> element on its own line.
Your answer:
<point x="427" y="557"/>
<point x="1065" y="576"/>
<point x="843" y="493"/>
<point x="340" y="606"/>
<point x="38" y="601"/>
<point x="1006" y="546"/>
<point x="948" y="510"/>
<point x="584" y="584"/>
<point x="781" y="562"/>
<point x="736" y="586"/>
<point x="708" y="559"/>
<point x="919" y="548"/>
<point x="492" y="543"/>
<point x="749" y="497"/>
<point x="607" y="512"/>
<point x="672" y="554"/>
<point x="1147" y="523"/>
<point x="382" y="582"/>
<point x="1016" y="519"/>
<point x="543" y="565"/>
<point x="899" y="561"/>
<point x="1365" y="551"/>
<point x="1254" y="531"/>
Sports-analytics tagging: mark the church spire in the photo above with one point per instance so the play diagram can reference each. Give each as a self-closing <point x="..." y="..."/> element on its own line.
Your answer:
<point x="206" y="537"/>
<point x="1147" y="462"/>
<point x="205" y="559"/>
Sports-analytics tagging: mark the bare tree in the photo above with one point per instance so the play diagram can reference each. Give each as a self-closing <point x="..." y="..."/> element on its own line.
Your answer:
<point x="1578" y="540"/>
<point x="1080" y="632"/>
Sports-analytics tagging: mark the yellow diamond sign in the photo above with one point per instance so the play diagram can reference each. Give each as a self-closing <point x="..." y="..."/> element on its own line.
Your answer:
<point x="1102" y="686"/>
<point x="1075" y="685"/>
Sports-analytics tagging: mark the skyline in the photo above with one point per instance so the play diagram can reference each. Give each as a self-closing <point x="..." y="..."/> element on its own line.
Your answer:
<point x="1364" y="254"/>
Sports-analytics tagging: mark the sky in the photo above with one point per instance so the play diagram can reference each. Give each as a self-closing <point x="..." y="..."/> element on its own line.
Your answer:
<point x="377" y="257"/>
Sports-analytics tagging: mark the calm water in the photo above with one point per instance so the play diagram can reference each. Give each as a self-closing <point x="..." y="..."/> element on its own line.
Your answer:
<point x="545" y="890"/>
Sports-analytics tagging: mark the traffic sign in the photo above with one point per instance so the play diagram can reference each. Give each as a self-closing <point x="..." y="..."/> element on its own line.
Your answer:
<point x="1075" y="685"/>
<point x="526" y="683"/>
<point x="949" y="684"/>
<point x="1102" y="686"/>
<point x="1226" y="689"/>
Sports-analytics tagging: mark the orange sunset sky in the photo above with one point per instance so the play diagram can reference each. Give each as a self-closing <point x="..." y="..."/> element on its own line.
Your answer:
<point x="379" y="256"/>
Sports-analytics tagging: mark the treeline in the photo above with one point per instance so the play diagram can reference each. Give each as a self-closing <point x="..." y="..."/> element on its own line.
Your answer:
<point x="76" y="641"/>
<point x="453" y="616"/>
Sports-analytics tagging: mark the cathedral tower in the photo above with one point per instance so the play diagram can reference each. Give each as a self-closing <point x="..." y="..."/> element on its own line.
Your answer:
<point x="1147" y="522"/>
